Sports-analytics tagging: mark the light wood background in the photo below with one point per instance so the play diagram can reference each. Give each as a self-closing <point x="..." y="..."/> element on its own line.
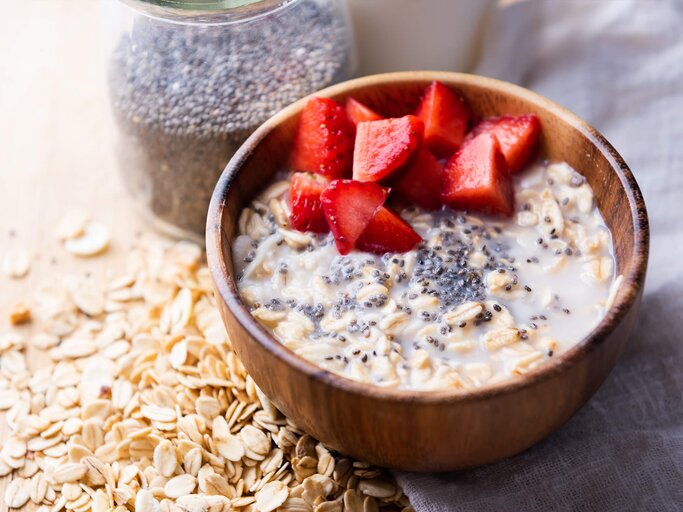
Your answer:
<point x="56" y="146"/>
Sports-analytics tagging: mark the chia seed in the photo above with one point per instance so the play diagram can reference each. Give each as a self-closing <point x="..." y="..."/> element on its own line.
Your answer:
<point x="186" y="95"/>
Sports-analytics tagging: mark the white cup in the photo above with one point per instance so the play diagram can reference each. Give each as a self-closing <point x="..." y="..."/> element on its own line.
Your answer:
<point x="401" y="35"/>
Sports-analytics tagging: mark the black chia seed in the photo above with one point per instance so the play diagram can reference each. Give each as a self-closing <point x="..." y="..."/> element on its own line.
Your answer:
<point x="186" y="96"/>
<point x="449" y="279"/>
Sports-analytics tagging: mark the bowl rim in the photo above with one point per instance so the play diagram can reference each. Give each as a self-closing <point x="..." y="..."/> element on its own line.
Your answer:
<point x="632" y="282"/>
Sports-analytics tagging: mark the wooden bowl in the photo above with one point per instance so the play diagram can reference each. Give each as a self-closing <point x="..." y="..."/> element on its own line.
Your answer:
<point x="435" y="430"/>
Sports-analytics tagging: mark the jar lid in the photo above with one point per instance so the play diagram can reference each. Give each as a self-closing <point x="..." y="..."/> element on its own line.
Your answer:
<point x="207" y="11"/>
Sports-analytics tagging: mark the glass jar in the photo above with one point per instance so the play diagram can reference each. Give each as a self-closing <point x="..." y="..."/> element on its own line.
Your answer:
<point x="190" y="80"/>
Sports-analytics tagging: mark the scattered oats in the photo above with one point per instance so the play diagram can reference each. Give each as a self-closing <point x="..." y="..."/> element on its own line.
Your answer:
<point x="192" y="461"/>
<point x="376" y="488"/>
<point x="271" y="496"/>
<point x="74" y="348"/>
<point x="44" y="341"/>
<point x="228" y="445"/>
<point x="180" y="485"/>
<point x="72" y="491"/>
<point x="88" y="301"/>
<point x="39" y="488"/>
<point x="214" y="484"/>
<point x="142" y="405"/>
<point x="92" y="241"/>
<point x="256" y="443"/>
<point x="176" y="315"/>
<point x="295" y="504"/>
<point x="5" y="469"/>
<point x="14" y="447"/>
<point x="165" y="460"/>
<point x="17" y="493"/>
<point x="146" y="502"/>
<point x="178" y="354"/>
<point x="96" y="471"/>
<point x="71" y="472"/>
<point x="72" y="225"/>
<point x="16" y="263"/>
<point x="187" y="254"/>
<point x="8" y="397"/>
<point x="156" y="413"/>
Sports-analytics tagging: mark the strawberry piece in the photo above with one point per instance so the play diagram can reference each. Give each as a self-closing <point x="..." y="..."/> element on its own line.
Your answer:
<point x="387" y="232"/>
<point x="385" y="145"/>
<point x="476" y="178"/>
<point x="358" y="112"/>
<point x="518" y="137"/>
<point x="323" y="143"/>
<point x="446" y="116"/>
<point x="420" y="183"/>
<point x="307" y="208"/>
<point x="349" y="206"/>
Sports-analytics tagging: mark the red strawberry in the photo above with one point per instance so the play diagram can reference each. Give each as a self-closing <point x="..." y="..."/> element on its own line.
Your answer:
<point x="518" y="137"/>
<point x="324" y="140"/>
<point x="446" y="116"/>
<point x="420" y="183"/>
<point x="476" y="178"/>
<point x="304" y="197"/>
<point x="387" y="232"/>
<point x="358" y="112"/>
<point x="385" y="145"/>
<point x="349" y="206"/>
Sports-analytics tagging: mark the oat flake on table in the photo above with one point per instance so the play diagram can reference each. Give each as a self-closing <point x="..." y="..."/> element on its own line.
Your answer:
<point x="145" y="407"/>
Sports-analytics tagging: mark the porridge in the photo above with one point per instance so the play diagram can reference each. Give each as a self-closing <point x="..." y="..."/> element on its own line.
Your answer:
<point x="467" y="297"/>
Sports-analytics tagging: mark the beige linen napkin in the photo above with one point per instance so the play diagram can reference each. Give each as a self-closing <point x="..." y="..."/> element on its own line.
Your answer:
<point x="618" y="64"/>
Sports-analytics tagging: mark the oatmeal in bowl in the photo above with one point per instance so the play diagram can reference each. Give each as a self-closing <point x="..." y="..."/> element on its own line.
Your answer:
<point x="427" y="276"/>
<point x="471" y="287"/>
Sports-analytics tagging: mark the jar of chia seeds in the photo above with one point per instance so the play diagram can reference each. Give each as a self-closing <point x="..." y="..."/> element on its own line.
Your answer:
<point x="189" y="80"/>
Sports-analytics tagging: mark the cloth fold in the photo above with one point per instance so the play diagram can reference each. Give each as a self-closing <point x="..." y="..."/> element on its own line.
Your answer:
<point x="619" y="65"/>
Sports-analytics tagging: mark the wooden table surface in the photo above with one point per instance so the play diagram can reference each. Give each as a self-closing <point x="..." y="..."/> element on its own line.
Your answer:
<point x="56" y="149"/>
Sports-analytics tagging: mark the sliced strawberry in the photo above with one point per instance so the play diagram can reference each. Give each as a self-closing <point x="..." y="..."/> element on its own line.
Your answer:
<point x="323" y="143"/>
<point x="307" y="208"/>
<point x="385" y="145"/>
<point x="420" y="183"/>
<point x="387" y="232"/>
<point x="446" y="116"/>
<point x="358" y="112"/>
<point x="476" y="178"/>
<point x="518" y="137"/>
<point x="349" y="206"/>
